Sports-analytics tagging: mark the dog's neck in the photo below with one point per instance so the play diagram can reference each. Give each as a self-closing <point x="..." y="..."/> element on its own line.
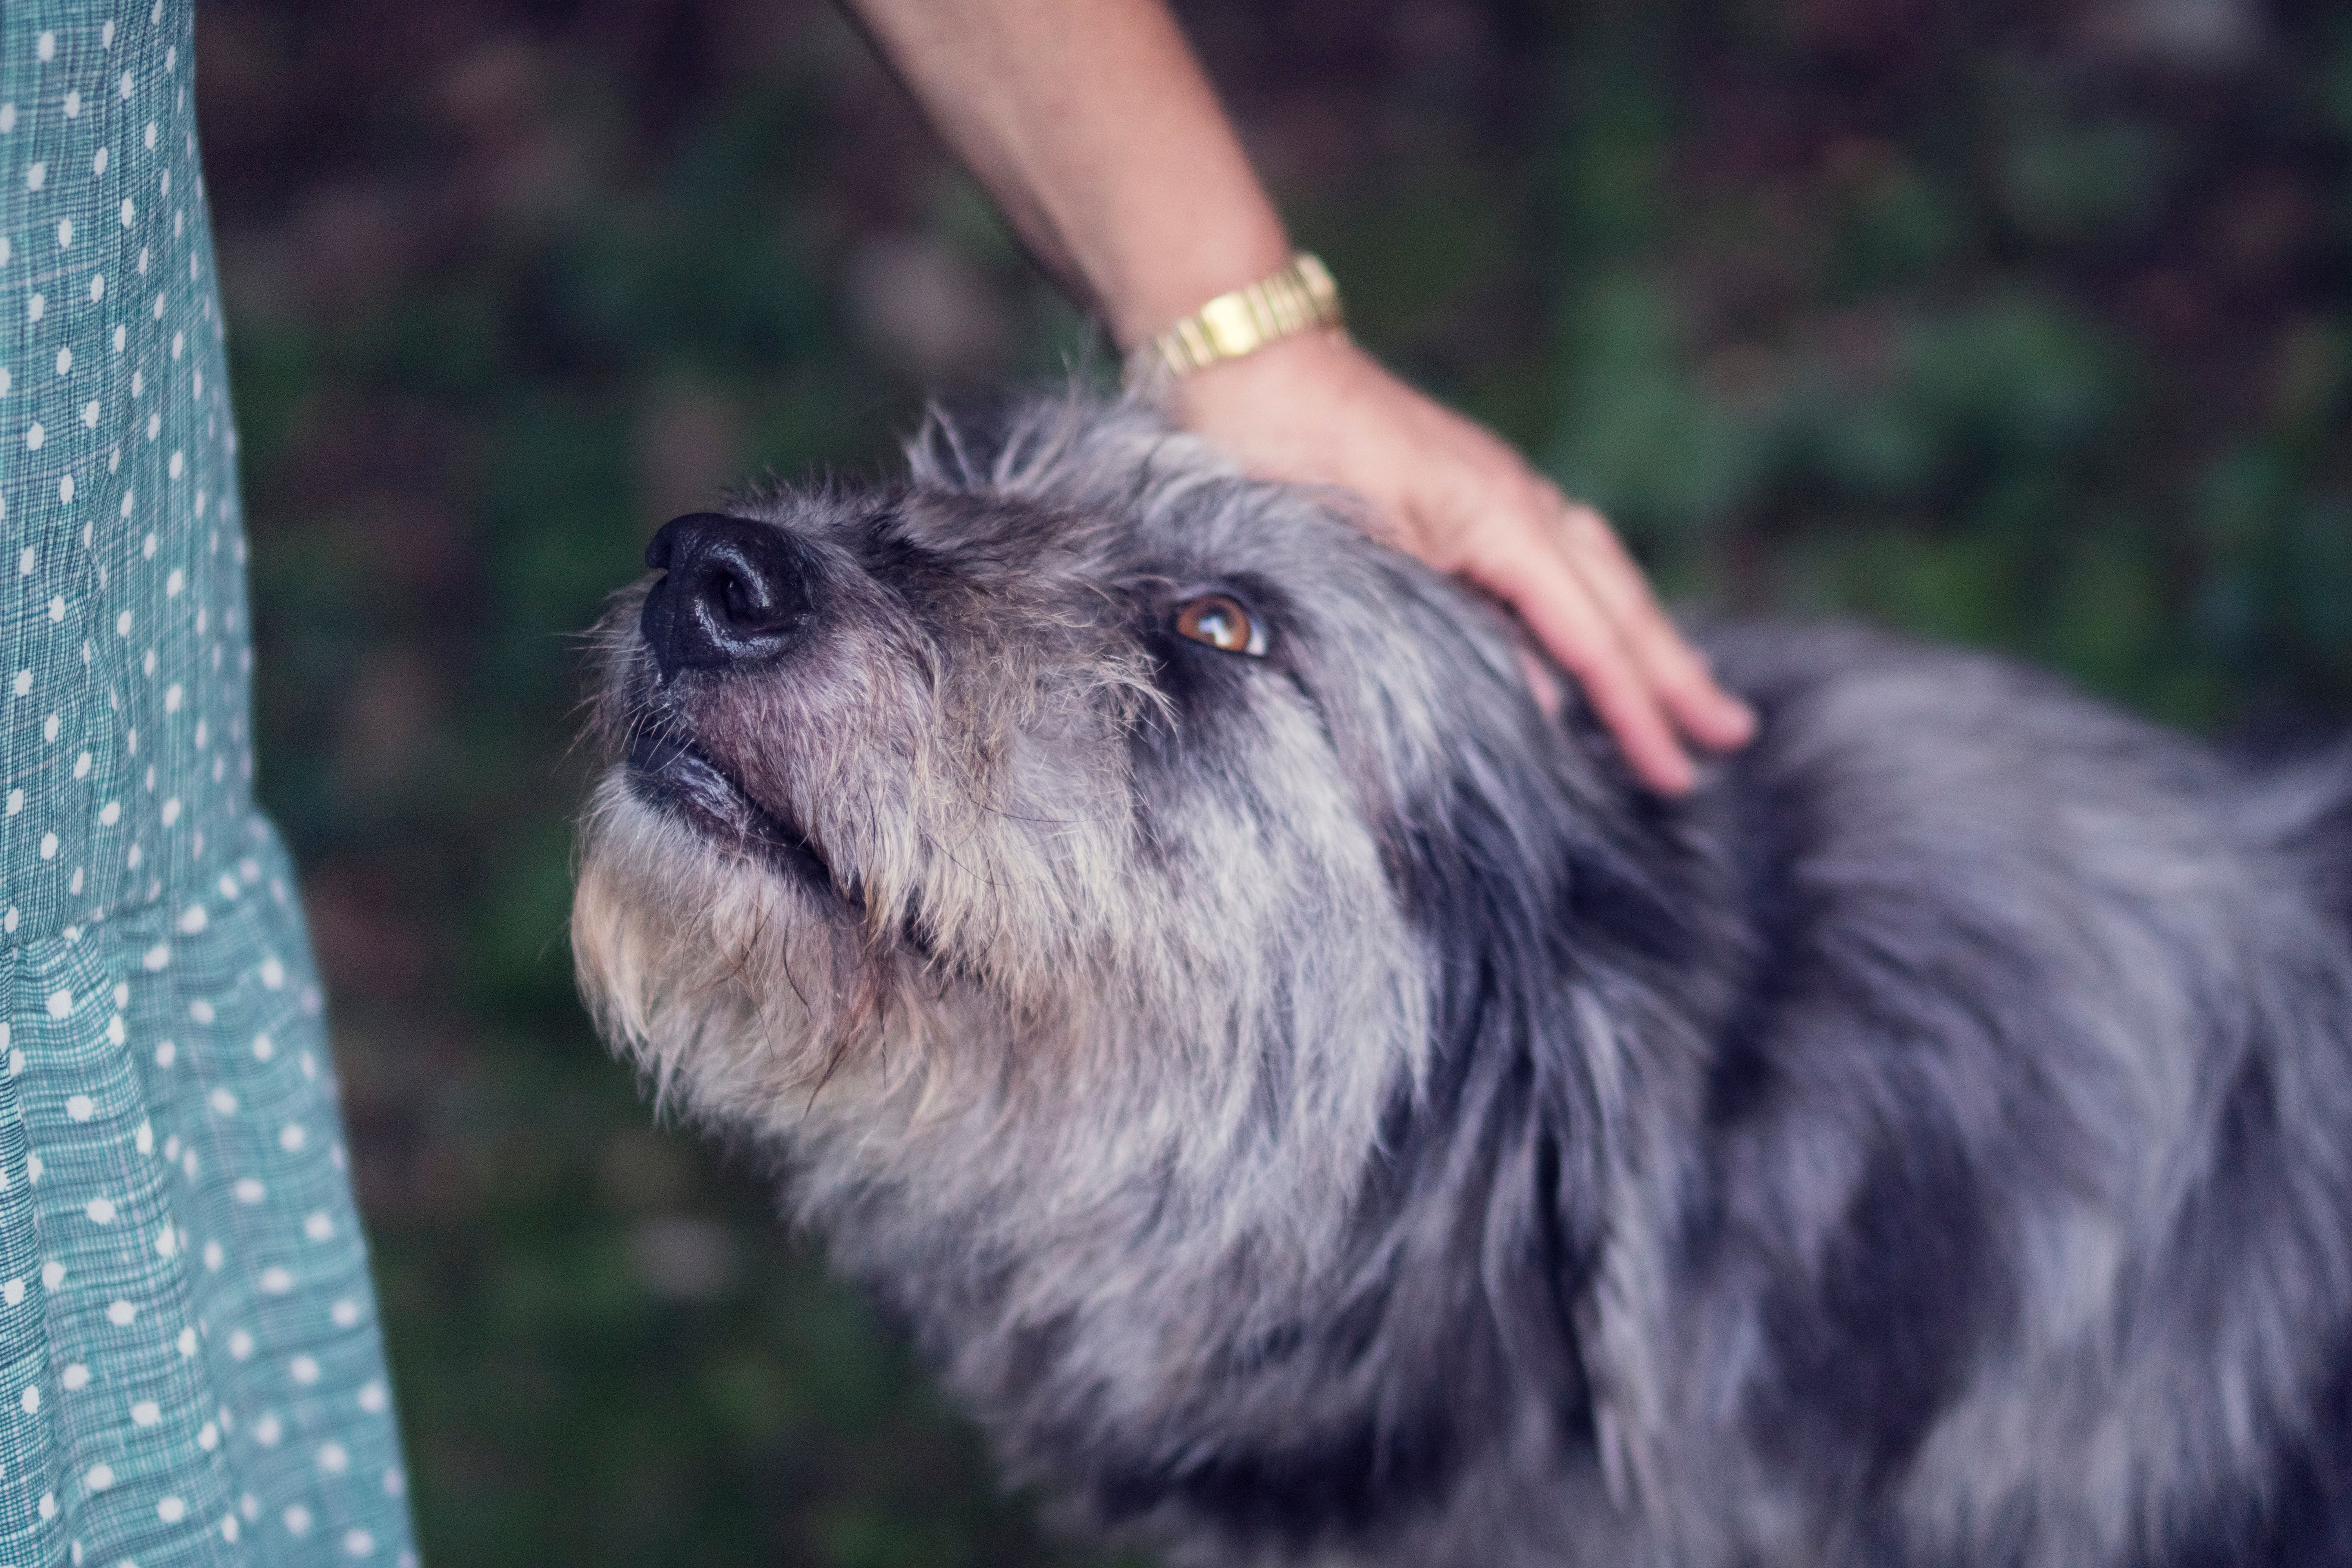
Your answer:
<point x="1587" y="948"/>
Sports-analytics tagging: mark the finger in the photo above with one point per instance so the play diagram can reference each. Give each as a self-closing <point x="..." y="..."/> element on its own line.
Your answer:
<point x="1680" y="676"/>
<point x="1552" y="599"/>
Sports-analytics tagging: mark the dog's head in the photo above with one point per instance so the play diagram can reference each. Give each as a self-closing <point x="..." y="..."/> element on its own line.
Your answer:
<point x="1078" y="779"/>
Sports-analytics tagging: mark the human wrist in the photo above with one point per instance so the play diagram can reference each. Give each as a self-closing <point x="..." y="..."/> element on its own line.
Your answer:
<point x="1168" y="275"/>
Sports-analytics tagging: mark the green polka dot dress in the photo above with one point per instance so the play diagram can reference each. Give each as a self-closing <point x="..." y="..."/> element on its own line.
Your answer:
<point x="190" y="1367"/>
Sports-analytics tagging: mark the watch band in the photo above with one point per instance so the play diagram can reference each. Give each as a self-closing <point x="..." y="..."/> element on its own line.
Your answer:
<point x="1300" y="298"/>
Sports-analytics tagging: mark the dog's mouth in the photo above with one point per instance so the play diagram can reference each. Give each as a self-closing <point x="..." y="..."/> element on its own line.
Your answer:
<point x="668" y="771"/>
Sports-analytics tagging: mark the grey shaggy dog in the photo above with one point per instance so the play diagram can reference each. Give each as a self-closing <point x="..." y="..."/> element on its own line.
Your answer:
<point x="1314" y="1108"/>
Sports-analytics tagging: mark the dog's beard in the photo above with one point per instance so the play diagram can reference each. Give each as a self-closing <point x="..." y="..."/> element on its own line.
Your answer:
<point x="690" y="948"/>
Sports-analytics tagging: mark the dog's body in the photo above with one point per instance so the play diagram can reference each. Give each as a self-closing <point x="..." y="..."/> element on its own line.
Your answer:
<point x="1316" y="1110"/>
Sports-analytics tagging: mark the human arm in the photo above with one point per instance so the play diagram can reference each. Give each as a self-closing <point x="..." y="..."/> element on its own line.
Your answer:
<point x="1093" y="126"/>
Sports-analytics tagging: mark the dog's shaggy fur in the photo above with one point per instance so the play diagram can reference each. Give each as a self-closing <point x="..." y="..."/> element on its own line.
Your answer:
<point x="1315" y="1108"/>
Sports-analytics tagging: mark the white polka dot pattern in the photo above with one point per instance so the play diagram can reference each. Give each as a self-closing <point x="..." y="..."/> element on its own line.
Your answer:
<point x="190" y="1367"/>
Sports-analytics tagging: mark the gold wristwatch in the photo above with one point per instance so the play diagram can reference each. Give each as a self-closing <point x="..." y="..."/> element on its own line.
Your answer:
<point x="1301" y="297"/>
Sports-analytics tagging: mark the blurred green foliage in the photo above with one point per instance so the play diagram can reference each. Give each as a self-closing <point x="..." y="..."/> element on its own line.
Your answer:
<point x="2030" y="326"/>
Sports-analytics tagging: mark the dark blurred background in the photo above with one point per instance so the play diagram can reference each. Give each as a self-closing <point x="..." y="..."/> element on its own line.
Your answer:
<point x="2024" y="324"/>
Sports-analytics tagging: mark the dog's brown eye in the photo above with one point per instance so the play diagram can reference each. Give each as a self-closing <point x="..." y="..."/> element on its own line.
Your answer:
<point x="1222" y="624"/>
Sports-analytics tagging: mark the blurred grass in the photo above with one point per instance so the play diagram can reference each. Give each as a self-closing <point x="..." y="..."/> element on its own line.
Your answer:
<point x="2022" y="326"/>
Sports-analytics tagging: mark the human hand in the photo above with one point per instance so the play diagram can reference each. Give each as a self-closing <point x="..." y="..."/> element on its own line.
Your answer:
<point x="1318" y="410"/>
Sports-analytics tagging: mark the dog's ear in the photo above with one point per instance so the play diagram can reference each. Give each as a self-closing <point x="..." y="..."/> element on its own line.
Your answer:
<point x="1002" y="441"/>
<point x="963" y="439"/>
<point x="1515" y="839"/>
<point x="1446" y="757"/>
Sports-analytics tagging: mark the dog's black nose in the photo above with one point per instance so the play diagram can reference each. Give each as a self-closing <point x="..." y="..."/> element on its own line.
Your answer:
<point x="736" y="593"/>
